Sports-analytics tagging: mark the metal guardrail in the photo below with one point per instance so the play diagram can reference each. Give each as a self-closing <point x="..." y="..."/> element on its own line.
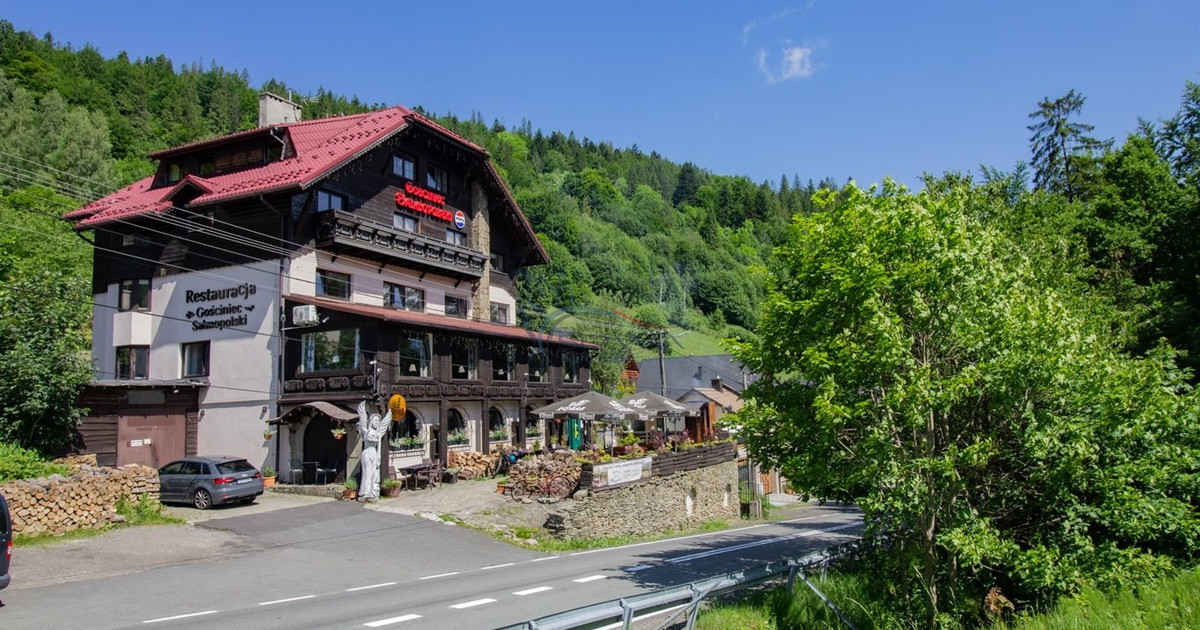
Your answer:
<point x="686" y="597"/>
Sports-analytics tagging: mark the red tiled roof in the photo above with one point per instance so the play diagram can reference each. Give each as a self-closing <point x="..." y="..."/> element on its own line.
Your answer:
<point x="441" y="322"/>
<point x="320" y="146"/>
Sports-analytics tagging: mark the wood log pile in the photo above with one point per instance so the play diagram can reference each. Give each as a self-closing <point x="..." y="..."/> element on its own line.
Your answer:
<point x="85" y="500"/>
<point x="471" y="465"/>
<point x="541" y="466"/>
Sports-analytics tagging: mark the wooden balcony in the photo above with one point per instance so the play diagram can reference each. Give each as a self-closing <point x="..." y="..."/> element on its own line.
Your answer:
<point x="343" y="231"/>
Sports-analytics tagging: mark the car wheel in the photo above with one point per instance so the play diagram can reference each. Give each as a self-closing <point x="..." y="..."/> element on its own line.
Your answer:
<point x="202" y="499"/>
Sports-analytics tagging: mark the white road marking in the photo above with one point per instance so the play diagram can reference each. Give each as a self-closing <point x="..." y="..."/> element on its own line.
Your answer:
<point x="640" y="567"/>
<point x="544" y="558"/>
<point x="430" y="577"/>
<point x="207" y="612"/>
<point x="388" y="622"/>
<point x="497" y="566"/>
<point x="716" y="533"/>
<point x="531" y="591"/>
<point x="476" y="602"/>
<point x="290" y="599"/>
<point x="590" y="578"/>
<point x="363" y="588"/>
<point x="759" y="543"/>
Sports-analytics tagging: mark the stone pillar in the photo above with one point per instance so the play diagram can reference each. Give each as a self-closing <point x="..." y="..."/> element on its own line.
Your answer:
<point x="479" y="238"/>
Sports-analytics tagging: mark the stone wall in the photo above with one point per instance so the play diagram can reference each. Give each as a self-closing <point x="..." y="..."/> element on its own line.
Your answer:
<point x="85" y="500"/>
<point x="653" y="506"/>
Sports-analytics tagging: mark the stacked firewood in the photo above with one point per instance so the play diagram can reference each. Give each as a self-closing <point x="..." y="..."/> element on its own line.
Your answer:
<point x="85" y="500"/>
<point x="472" y="465"/>
<point x="546" y="465"/>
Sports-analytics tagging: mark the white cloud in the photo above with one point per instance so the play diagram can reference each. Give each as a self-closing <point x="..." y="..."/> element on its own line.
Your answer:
<point x="753" y="24"/>
<point x="797" y="63"/>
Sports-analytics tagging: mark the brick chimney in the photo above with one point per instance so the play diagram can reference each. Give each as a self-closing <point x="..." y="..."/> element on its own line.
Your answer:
<point x="274" y="110"/>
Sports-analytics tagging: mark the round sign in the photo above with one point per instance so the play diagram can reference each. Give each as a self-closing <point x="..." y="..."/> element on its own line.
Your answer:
<point x="397" y="406"/>
<point x="460" y="219"/>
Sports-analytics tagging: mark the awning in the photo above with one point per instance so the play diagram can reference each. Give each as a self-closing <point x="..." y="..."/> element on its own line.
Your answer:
<point x="333" y="411"/>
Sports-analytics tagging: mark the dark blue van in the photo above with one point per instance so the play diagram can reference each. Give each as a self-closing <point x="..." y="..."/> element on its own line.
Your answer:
<point x="6" y="534"/>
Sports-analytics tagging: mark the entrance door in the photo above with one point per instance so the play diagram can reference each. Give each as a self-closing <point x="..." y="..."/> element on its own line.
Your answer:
<point x="152" y="439"/>
<point x="322" y="452"/>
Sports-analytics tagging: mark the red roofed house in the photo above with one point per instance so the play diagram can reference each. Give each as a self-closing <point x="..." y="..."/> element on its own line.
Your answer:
<point x="259" y="285"/>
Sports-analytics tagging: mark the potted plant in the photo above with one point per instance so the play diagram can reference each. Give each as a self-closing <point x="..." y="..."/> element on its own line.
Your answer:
<point x="267" y="433"/>
<point x="351" y="491"/>
<point x="498" y="435"/>
<point x="268" y="476"/>
<point x="338" y="432"/>
<point x="390" y="487"/>
<point x="406" y="443"/>
<point x="457" y="437"/>
<point x="450" y="475"/>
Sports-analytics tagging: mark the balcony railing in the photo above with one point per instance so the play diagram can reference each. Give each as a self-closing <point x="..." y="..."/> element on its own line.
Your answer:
<point x="393" y="245"/>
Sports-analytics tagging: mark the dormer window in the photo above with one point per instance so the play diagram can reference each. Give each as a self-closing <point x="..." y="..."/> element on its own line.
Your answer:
<point x="435" y="178"/>
<point x="208" y="168"/>
<point x="174" y="172"/>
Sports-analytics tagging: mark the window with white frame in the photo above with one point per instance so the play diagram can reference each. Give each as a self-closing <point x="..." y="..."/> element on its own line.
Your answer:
<point x="404" y="166"/>
<point x="333" y="284"/>
<point x="402" y="297"/>
<point x="134" y="295"/>
<point x="133" y="362"/>
<point x="456" y="306"/>
<point x="499" y="313"/>
<point x="194" y="359"/>
<point x="329" y="350"/>
<point x="435" y="178"/>
<point x="571" y="362"/>
<point x="464" y="355"/>
<point x="454" y="237"/>
<point x="402" y="221"/>
<point x="416" y="355"/>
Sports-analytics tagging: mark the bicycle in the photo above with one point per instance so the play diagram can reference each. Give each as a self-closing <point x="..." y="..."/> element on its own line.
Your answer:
<point x="550" y="486"/>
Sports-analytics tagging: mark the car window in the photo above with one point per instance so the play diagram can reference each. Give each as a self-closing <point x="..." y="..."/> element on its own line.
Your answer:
<point x="235" y="466"/>
<point x="190" y="468"/>
<point x="171" y="469"/>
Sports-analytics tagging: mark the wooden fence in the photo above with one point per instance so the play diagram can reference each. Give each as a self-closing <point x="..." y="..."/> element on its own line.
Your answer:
<point x="678" y="461"/>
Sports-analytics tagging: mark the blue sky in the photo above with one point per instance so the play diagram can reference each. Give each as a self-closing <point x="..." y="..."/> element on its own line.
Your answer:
<point x="814" y="88"/>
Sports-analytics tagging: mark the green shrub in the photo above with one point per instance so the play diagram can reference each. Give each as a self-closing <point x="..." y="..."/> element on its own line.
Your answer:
<point x="144" y="511"/>
<point x="20" y="463"/>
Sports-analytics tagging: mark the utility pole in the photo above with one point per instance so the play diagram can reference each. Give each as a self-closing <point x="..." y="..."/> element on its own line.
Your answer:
<point x="662" y="364"/>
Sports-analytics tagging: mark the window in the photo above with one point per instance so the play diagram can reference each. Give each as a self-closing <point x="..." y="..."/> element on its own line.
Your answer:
<point x="405" y="434"/>
<point x="133" y="362"/>
<point x="463" y="354"/>
<point x="497" y="426"/>
<point x="456" y="424"/>
<point x="402" y="297"/>
<point x="195" y="359"/>
<point x="404" y="166"/>
<point x="174" y="173"/>
<point x="499" y="313"/>
<point x="329" y="350"/>
<point x="455" y="306"/>
<point x="207" y="167"/>
<point x="333" y="284"/>
<point x="330" y="201"/>
<point x="497" y="261"/>
<point x="135" y="295"/>
<point x="435" y="178"/>
<point x="404" y="222"/>
<point x="571" y="363"/>
<point x="504" y="361"/>
<point x="539" y="365"/>
<point x="455" y="237"/>
<point x="416" y="355"/>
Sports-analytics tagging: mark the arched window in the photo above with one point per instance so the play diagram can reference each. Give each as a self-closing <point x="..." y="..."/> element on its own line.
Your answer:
<point x="497" y="431"/>
<point x="408" y="428"/>
<point x="533" y="425"/>
<point x="456" y="424"/>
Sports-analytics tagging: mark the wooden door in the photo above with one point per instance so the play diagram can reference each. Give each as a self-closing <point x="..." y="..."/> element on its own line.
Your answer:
<point x="151" y="439"/>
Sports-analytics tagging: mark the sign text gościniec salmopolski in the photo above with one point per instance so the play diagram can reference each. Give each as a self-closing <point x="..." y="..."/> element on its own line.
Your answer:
<point x="230" y="311"/>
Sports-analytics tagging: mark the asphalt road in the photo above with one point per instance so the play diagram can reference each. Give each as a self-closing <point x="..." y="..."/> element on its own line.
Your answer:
<point x="337" y="565"/>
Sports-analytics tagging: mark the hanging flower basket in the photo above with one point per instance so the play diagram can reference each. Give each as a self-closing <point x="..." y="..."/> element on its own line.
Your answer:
<point x="338" y="433"/>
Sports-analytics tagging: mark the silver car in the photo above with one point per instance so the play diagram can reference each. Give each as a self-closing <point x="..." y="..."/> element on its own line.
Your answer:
<point x="208" y="481"/>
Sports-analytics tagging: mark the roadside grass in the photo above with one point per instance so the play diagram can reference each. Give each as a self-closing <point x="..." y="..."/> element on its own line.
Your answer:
<point x="538" y="538"/>
<point x="143" y="511"/>
<point x="1172" y="602"/>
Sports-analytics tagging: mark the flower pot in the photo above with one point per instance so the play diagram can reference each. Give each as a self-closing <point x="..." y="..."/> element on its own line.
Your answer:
<point x="500" y="486"/>
<point x="268" y="482"/>
<point x="349" y="494"/>
<point x="393" y="491"/>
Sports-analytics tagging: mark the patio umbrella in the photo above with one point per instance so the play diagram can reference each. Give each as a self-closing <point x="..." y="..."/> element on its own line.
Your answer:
<point x="589" y="406"/>
<point x="655" y="407"/>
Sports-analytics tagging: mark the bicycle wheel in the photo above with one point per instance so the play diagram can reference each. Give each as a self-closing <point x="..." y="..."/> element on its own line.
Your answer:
<point x="559" y="487"/>
<point x="520" y="490"/>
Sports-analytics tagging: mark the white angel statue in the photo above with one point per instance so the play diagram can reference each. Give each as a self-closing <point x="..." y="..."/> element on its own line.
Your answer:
<point x="371" y="429"/>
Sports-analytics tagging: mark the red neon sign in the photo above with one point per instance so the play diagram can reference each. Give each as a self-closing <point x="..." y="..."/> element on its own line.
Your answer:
<point x="421" y="200"/>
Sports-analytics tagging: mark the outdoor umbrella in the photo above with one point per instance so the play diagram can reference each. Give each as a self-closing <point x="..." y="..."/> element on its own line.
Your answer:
<point x="589" y="406"/>
<point x="654" y="406"/>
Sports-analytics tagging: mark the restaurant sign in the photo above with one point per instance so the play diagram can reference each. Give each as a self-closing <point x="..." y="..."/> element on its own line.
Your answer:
<point x="220" y="308"/>
<point x="620" y="473"/>
<point x="418" y="199"/>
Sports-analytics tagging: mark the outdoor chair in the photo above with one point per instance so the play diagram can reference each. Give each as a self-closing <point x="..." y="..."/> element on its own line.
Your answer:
<point x="430" y="473"/>
<point x="326" y="471"/>
<point x="296" y="472"/>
